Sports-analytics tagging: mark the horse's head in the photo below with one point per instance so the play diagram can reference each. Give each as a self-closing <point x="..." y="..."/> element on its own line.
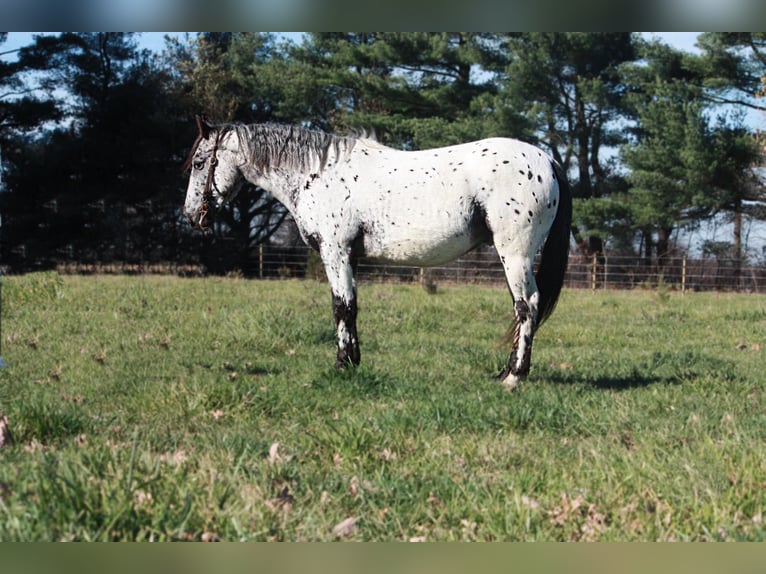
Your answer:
<point x="215" y="178"/>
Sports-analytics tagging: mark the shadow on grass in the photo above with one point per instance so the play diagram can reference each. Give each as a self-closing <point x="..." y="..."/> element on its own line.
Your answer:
<point x="607" y="382"/>
<point x="630" y="382"/>
<point x="663" y="368"/>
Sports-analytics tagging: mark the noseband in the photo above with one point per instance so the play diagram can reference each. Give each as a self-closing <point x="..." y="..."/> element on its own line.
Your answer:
<point x="207" y="195"/>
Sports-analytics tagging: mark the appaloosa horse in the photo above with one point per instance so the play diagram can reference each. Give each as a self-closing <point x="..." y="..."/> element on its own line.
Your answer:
<point x="353" y="197"/>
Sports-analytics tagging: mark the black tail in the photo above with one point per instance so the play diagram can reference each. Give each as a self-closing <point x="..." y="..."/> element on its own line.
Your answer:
<point x="553" y="263"/>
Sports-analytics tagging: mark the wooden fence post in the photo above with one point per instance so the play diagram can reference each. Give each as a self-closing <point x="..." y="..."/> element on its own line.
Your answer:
<point x="683" y="275"/>
<point x="260" y="260"/>
<point x="593" y="273"/>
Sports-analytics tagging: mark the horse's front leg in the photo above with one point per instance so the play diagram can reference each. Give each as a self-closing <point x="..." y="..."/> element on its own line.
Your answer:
<point x="341" y="273"/>
<point x="348" y="341"/>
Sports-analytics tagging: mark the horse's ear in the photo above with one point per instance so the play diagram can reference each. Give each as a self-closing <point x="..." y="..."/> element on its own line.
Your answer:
<point x="203" y="126"/>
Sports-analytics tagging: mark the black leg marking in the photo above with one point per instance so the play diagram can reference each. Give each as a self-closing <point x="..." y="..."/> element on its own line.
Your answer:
<point x="522" y="311"/>
<point x="348" y="354"/>
<point x="523" y="368"/>
<point x="523" y="314"/>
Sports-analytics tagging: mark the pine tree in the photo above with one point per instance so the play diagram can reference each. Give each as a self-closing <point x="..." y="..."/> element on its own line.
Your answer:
<point x="414" y="90"/>
<point x="570" y="88"/>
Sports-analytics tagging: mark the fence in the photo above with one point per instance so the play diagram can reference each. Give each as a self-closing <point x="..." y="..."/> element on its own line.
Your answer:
<point x="593" y="272"/>
<point x="679" y="272"/>
<point x="483" y="266"/>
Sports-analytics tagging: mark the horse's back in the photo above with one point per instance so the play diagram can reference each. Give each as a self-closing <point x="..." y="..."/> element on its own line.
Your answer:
<point x="431" y="206"/>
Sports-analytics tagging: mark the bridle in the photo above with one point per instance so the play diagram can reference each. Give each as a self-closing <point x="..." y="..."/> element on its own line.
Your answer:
<point x="207" y="194"/>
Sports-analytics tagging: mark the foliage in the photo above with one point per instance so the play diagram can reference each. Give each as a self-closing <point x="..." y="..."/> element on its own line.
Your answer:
<point x="24" y="103"/>
<point x="683" y="166"/>
<point x="105" y="186"/>
<point x="734" y="67"/>
<point x="569" y="85"/>
<point x="413" y="90"/>
<point x="93" y="129"/>
<point x="158" y="408"/>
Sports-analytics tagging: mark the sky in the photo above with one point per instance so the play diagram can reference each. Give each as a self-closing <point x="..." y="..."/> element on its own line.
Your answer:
<point x="156" y="40"/>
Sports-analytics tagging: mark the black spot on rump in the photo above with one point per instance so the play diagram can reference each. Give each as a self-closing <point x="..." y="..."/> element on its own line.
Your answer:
<point x="539" y="179"/>
<point x="530" y="175"/>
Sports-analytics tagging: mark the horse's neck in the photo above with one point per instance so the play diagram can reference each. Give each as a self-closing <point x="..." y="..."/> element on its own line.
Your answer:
<point x="279" y="183"/>
<point x="285" y="184"/>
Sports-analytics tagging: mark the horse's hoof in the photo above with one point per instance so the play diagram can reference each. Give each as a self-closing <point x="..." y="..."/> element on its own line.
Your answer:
<point x="343" y="364"/>
<point x="511" y="382"/>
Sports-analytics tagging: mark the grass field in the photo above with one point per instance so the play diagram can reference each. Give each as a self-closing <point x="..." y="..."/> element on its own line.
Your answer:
<point x="160" y="408"/>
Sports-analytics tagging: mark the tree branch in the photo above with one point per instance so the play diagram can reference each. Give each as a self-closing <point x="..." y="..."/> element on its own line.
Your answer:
<point x="735" y="102"/>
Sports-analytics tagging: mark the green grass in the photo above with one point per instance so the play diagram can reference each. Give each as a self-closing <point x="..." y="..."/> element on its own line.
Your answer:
<point x="147" y="408"/>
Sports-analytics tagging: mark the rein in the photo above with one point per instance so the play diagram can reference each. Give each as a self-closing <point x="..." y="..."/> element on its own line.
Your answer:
<point x="207" y="195"/>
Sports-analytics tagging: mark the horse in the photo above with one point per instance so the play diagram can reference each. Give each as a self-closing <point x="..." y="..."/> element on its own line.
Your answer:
<point x="352" y="197"/>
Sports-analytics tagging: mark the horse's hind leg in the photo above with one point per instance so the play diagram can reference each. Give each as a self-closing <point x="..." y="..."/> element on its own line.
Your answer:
<point x="523" y="287"/>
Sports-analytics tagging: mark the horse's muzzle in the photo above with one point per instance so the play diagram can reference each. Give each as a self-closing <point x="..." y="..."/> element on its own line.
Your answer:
<point x="199" y="221"/>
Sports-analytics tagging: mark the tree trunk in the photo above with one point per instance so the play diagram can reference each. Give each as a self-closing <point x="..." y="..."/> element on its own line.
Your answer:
<point x="663" y="246"/>
<point x="648" y="247"/>
<point x="737" y="240"/>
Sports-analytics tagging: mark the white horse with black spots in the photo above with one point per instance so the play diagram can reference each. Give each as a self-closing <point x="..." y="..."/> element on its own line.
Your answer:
<point x="353" y="197"/>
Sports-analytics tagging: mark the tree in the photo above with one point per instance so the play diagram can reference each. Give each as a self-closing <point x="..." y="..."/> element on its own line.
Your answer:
<point x="733" y="68"/>
<point x="685" y="167"/>
<point x="244" y="77"/>
<point x="570" y="86"/>
<point x="733" y="65"/>
<point x="414" y="90"/>
<point x="669" y="163"/>
<point x="105" y="182"/>
<point x="23" y="105"/>
<point x="738" y="191"/>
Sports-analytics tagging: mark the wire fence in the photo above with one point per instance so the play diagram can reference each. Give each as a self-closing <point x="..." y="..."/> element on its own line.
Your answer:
<point x="482" y="266"/>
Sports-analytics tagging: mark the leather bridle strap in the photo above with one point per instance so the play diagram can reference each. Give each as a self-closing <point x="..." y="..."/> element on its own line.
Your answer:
<point x="207" y="196"/>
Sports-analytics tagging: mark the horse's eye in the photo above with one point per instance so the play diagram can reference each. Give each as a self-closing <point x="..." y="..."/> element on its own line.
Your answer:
<point x="199" y="164"/>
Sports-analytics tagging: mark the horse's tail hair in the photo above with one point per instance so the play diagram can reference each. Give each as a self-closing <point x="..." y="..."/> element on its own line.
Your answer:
<point x="555" y="255"/>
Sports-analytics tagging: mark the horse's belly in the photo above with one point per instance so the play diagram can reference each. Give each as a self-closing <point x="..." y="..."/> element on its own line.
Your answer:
<point x="424" y="247"/>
